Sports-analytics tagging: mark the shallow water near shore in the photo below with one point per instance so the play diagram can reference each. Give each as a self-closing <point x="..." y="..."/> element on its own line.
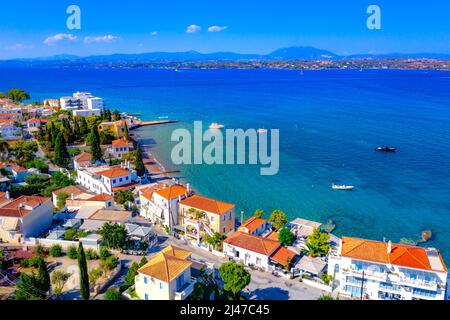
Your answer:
<point x="329" y="121"/>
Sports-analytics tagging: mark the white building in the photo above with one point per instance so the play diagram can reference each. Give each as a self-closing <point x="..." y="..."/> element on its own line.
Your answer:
<point x="106" y="180"/>
<point x="87" y="112"/>
<point x="387" y="271"/>
<point x="9" y="130"/>
<point x="161" y="206"/>
<point x="257" y="251"/>
<point x="119" y="148"/>
<point x="26" y="216"/>
<point x="70" y="103"/>
<point x="167" y="276"/>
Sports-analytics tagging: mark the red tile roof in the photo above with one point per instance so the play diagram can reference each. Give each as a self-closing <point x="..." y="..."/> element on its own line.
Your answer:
<point x="121" y="143"/>
<point x="400" y="255"/>
<point x="19" y="169"/>
<point x="253" y="224"/>
<point x="83" y="157"/>
<point x="207" y="204"/>
<point x="70" y="189"/>
<point x="114" y="172"/>
<point x="172" y="192"/>
<point x="15" y="209"/>
<point x="101" y="197"/>
<point x="253" y="243"/>
<point x="282" y="255"/>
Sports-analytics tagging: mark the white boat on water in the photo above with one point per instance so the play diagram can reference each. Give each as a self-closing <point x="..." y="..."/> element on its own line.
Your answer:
<point x="341" y="187"/>
<point x="216" y="125"/>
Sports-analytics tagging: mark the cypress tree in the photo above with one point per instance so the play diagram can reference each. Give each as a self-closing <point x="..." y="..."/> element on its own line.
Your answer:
<point x="96" y="150"/>
<point x="61" y="155"/>
<point x="83" y="127"/>
<point x="117" y="115"/>
<point x="76" y="129"/>
<point x="138" y="163"/>
<point x="126" y="135"/>
<point x="43" y="276"/>
<point x="84" y="277"/>
<point x="109" y="117"/>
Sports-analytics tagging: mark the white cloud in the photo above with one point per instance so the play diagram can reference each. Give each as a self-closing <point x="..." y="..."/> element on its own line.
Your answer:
<point x="105" y="38"/>
<point x="217" y="28"/>
<point x="193" y="28"/>
<point x="154" y="33"/>
<point x="17" y="46"/>
<point x="52" y="40"/>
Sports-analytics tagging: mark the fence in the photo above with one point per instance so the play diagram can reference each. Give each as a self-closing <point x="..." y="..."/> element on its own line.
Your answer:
<point x="47" y="243"/>
<point x="317" y="285"/>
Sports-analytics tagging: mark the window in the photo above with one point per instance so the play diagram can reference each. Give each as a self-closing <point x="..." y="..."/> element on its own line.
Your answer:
<point x="146" y="296"/>
<point x="120" y="180"/>
<point x="145" y="280"/>
<point x="224" y="217"/>
<point x="258" y="261"/>
<point x="161" y="286"/>
<point x="212" y="218"/>
<point x="224" y="230"/>
<point x="126" y="178"/>
<point x="114" y="180"/>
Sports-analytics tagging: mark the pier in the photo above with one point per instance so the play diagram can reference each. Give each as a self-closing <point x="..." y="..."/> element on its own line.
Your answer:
<point x="151" y="123"/>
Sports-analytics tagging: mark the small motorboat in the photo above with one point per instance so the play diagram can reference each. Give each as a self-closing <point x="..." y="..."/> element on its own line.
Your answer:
<point x="216" y="126"/>
<point x="262" y="131"/>
<point x="386" y="149"/>
<point x="341" y="187"/>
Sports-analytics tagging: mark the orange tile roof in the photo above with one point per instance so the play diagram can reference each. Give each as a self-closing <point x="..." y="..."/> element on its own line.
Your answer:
<point x="70" y="189"/>
<point x="282" y="255"/>
<point x="19" y="169"/>
<point x="168" y="264"/>
<point x="377" y="251"/>
<point x="273" y="236"/>
<point x="114" y="172"/>
<point x="3" y="197"/>
<point x="207" y="204"/>
<point x="111" y="215"/>
<point x="33" y="120"/>
<point x="147" y="192"/>
<point x="13" y="209"/>
<point x="121" y="143"/>
<point x="172" y="192"/>
<point x="101" y="197"/>
<point x="125" y="186"/>
<point x="83" y="157"/>
<point x="253" y="223"/>
<point x="253" y="243"/>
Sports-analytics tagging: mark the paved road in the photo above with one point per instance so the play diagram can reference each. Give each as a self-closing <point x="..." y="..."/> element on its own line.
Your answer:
<point x="262" y="286"/>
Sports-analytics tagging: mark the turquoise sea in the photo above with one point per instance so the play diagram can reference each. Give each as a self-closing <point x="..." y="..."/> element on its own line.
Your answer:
<point x="329" y="121"/>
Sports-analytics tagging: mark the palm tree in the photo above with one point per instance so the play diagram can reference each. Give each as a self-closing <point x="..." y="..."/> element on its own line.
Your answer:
<point x="216" y="240"/>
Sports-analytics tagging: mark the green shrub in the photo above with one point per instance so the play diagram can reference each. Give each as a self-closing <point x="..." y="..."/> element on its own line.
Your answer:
<point x="30" y="263"/>
<point x="113" y="294"/>
<point x="56" y="251"/>
<point x="71" y="234"/>
<point x="109" y="263"/>
<point x="104" y="253"/>
<point x="72" y="253"/>
<point x="91" y="254"/>
<point x="39" y="250"/>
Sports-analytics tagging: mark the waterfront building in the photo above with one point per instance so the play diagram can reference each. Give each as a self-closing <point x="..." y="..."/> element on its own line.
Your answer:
<point x="199" y="215"/>
<point x="87" y="112"/>
<point x="106" y="180"/>
<point x="82" y="160"/>
<point x="256" y="226"/>
<point x="119" y="148"/>
<point x="167" y="276"/>
<point x="257" y="251"/>
<point x="379" y="270"/>
<point x="160" y="206"/>
<point x="26" y="216"/>
<point x="9" y="130"/>
<point x="69" y="103"/>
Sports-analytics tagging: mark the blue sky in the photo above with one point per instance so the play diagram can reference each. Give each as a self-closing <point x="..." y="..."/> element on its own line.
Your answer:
<point x="252" y="26"/>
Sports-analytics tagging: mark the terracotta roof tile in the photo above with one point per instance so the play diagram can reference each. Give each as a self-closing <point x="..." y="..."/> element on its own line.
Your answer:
<point x="253" y="243"/>
<point x="172" y="192"/>
<point x="114" y="172"/>
<point x="282" y="255"/>
<point x="207" y="204"/>
<point x="253" y="223"/>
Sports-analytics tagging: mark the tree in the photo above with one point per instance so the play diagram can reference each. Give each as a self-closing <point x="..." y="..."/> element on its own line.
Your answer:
<point x="83" y="127"/>
<point x="215" y="240"/>
<point x="72" y="252"/>
<point x="122" y="197"/>
<point x="56" y="251"/>
<point x="113" y="294"/>
<point x="117" y="115"/>
<point x="84" y="277"/>
<point x="317" y="244"/>
<point x="235" y="278"/>
<point x="18" y="95"/>
<point x="206" y="286"/>
<point x="38" y="164"/>
<point x="138" y="162"/>
<point x="28" y="288"/>
<point x="61" y="156"/>
<point x="114" y="235"/>
<point x="286" y="237"/>
<point x="59" y="279"/>
<point x="278" y="219"/>
<point x="96" y="150"/>
<point x="43" y="276"/>
<point x="61" y="200"/>
<point x="259" y="213"/>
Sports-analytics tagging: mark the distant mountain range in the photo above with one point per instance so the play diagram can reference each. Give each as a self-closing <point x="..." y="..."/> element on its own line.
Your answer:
<point x="292" y="53"/>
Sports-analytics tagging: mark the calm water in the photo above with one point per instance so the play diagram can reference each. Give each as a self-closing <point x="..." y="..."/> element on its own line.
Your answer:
<point x="329" y="121"/>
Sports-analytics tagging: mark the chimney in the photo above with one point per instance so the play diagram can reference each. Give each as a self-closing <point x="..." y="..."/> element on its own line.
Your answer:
<point x="188" y="187"/>
<point x="242" y="217"/>
<point x="389" y="247"/>
<point x="72" y="196"/>
<point x="7" y="195"/>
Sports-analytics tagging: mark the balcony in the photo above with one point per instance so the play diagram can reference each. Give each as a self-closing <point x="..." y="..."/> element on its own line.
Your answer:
<point x="185" y="291"/>
<point x="368" y="274"/>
